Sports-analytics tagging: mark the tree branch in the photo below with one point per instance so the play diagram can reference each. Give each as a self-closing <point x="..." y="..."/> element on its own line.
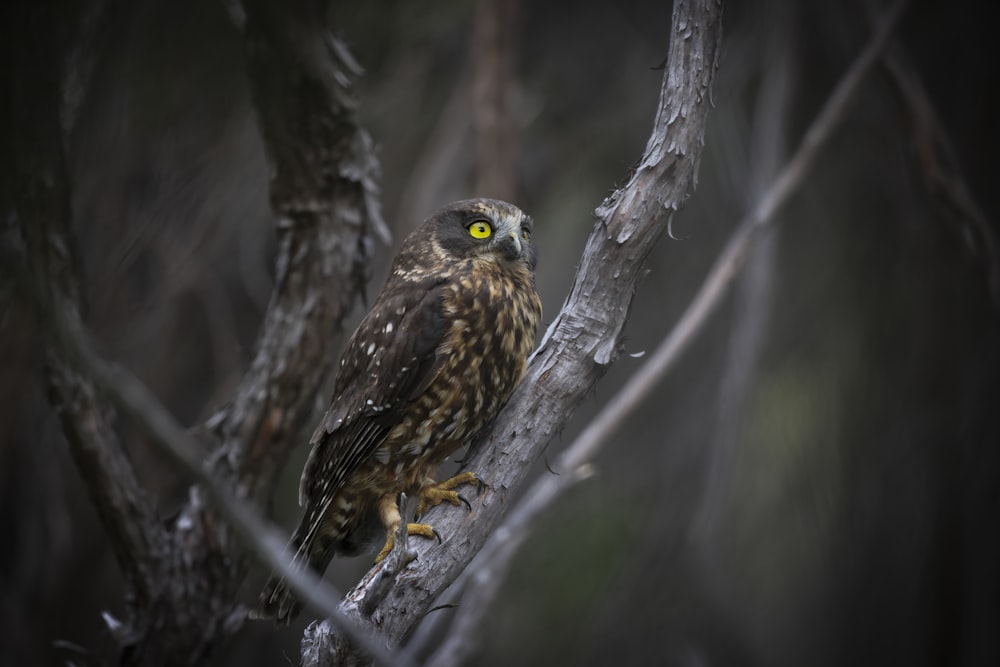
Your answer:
<point x="583" y="340"/>
<point x="492" y="82"/>
<point x="484" y="576"/>
<point x="935" y="157"/>
<point x="187" y="572"/>
<point x="262" y="539"/>
<point x="43" y="210"/>
<point x="324" y="195"/>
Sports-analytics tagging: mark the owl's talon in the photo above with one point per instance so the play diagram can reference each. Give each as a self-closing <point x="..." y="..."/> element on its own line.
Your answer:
<point x="436" y="493"/>
<point x="421" y="529"/>
<point x="480" y="485"/>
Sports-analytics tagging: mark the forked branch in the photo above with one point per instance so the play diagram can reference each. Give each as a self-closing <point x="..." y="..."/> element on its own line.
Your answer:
<point x="579" y="346"/>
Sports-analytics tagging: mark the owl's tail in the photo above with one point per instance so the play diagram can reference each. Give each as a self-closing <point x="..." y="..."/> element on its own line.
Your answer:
<point x="277" y="601"/>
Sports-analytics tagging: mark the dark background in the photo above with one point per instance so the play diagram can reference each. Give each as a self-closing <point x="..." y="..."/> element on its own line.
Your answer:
<point x="817" y="481"/>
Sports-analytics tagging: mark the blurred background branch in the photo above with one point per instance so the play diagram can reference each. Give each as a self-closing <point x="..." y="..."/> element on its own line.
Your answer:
<point x="493" y="82"/>
<point x="183" y="572"/>
<point x="50" y="252"/>
<point x="142" y="547"/>
<point x="934" y="153"/>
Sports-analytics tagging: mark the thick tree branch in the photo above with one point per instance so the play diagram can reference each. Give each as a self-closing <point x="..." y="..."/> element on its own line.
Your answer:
<point x="324" y="195"/>
<point x="583" y="340"/>
<point x="484" y="576"/>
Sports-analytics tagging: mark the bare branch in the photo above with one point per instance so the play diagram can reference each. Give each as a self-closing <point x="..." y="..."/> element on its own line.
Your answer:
<point x="936" y="159"/>
<point x="324" y="195"/>
<point x="187" y="571"/>
<point x="584" y="338"/>
<point x="264" y="540"/>
<point x="494" y="559"/>
<point x="494" y="64"/>
<point x="43" y="210"/>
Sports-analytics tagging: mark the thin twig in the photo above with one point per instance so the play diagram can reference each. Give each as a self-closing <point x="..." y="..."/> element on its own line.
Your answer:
<point x="754" y="299"/>
<point x="264" y="540"/>
<point x="480" y="577"/>
<point x="936" y="159"/>
<point x="733" y="256"/>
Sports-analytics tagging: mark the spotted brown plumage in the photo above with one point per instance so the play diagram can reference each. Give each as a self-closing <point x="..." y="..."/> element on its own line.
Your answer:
<point x="439" y="353"/>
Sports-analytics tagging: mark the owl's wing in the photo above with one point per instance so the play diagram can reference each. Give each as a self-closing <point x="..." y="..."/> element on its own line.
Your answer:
<point x="391" y="358"/>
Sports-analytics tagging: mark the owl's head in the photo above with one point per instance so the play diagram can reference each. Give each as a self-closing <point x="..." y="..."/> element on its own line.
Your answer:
<point x="483" y="227"/>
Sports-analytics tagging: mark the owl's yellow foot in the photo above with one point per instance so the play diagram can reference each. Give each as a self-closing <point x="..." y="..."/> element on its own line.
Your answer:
<point x="431" y="495"/>
<point x="434" y="494"/>
<point x="421" y="529"/>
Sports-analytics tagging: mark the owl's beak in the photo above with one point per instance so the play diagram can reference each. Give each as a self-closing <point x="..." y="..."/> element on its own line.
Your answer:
<point x="508" y="246"/>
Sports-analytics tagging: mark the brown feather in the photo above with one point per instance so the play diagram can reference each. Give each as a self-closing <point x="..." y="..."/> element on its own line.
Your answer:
<point x="433" y="361"/>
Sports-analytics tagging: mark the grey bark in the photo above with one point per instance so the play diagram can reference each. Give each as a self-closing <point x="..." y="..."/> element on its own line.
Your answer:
<point x="525" y="426"/>
<point x="582" y="342"/>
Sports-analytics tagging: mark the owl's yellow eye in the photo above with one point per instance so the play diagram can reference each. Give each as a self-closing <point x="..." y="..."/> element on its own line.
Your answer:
<point x="525" y="234"/>
<point x="480" y="229"/>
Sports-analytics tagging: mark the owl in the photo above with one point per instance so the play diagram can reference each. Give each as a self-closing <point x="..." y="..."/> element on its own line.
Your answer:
<point x="437" y="356"/>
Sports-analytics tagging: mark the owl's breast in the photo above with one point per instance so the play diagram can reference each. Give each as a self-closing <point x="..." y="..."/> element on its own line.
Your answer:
<point x="492" y="316"/>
